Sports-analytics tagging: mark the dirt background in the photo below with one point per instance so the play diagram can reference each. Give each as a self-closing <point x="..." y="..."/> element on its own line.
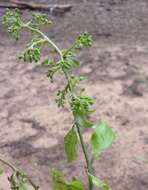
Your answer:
<point x="116" y="68"/>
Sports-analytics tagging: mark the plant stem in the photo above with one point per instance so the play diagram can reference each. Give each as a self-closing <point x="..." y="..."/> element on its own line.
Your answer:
<point x="67" y="77"/>
<point x="14" y="169"/>
<point x="8" y="164"/>
<point x="88" y="163"/>
<point x="33" y="184"/>
<point x="45" y="37"/>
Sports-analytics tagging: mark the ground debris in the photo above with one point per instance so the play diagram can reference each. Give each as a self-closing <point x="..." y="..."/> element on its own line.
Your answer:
<point x="56" y="9"/>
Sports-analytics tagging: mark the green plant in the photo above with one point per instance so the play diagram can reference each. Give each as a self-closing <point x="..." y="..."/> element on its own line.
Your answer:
<point x="72" y="96"/>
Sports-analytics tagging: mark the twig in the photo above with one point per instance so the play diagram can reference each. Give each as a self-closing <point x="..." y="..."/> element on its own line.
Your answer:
<point x="8" y="164"/>
<point x="14" y="169"/>
<point x="36" y="6"/>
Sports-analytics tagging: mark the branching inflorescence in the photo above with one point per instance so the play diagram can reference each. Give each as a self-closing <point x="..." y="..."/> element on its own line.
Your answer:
<point x="71" y="95"/>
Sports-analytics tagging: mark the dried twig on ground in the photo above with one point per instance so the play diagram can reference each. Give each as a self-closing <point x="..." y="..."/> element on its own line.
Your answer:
<point x="53" y="9"/>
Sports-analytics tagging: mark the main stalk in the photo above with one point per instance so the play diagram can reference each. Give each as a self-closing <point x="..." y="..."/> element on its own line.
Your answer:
<point x="67" y="77"/>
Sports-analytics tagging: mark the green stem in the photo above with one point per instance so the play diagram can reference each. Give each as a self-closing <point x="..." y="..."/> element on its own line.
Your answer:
<point x="88" y="163"/>
<point x="67" y="77"/>
<point x="8" y="164"/>
<point x="14" y="169"/>
<point x="45" y="37"/>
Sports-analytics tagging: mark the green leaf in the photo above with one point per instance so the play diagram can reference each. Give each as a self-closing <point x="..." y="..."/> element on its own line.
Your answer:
<point x="47" y="62"/>
<point x="76" y="185"/>
<point x="101" y="139"/>
<point x="59" y="183"/>
<point x="98" y="183"/>
<point x="12" y="22"/>
<point x="23" y="186"/>
<point x="31" y="55"/>
<point x="40" y="19"/>
<point x="84" y="40"/>
<point x="70" y="143"/>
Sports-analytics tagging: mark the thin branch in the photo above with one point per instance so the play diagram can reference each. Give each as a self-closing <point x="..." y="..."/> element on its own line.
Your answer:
<point x="14" y="169"/>
<point x="46" y="38"/>
<point x="36" y="6"/>
<point x="33" y="184"/>
<point x="8" y="164"/>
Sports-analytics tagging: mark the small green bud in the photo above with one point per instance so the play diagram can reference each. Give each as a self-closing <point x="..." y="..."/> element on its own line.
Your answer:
<point x="84" y="40"/>
<point x="12" y="22"/>
<point x="40" y="19"/>
<point x="31" y="55"/>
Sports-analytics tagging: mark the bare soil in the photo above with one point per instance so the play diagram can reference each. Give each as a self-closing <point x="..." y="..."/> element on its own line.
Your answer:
<point x="116" y="70"/>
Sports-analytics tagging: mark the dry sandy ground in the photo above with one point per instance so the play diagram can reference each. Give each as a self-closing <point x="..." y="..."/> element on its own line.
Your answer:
<point x="116" y="68"/>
